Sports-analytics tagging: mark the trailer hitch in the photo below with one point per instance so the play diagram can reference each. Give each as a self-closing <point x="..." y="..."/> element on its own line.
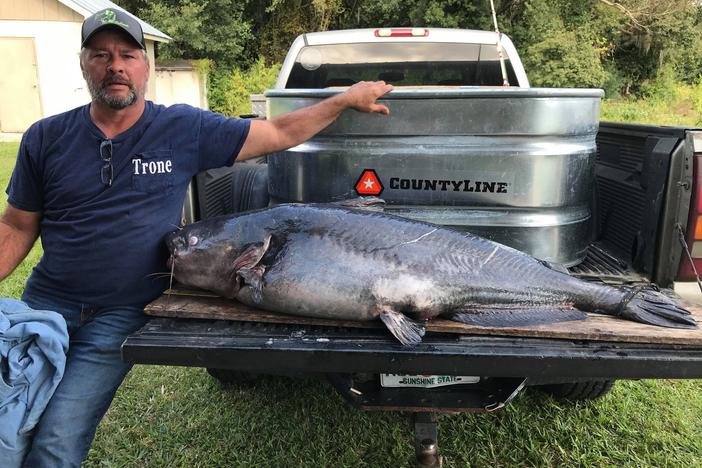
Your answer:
<point x="487" y="395"/>
<point x="426" y="446"/>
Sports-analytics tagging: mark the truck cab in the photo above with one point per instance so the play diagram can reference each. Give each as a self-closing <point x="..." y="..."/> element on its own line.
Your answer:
<point x="402" y="57"/>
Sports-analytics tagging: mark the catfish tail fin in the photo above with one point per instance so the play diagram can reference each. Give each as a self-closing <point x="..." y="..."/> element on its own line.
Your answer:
<point x="654" y="308"/>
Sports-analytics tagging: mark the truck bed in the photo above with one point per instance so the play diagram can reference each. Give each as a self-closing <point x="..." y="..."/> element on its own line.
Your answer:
<point x="635" y="224"/>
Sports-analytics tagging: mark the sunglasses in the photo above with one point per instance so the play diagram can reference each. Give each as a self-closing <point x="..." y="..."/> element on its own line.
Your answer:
<point x="107" y="171"/>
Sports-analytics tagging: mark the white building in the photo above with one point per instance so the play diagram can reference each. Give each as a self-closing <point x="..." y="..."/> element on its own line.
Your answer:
<point x="39" y="49"/>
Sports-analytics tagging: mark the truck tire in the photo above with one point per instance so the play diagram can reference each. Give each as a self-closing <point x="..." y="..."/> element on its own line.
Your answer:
<point x="249" y="187"/>
<point x="226" y="190"/>
<point x="231" y="377"/>
<point x="578" y="391"/>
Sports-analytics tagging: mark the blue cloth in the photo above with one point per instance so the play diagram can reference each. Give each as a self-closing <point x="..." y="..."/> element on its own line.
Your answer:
<point x="94" y="371"/>
<point x="101" y="243"/>
<point x="33" y="345"/>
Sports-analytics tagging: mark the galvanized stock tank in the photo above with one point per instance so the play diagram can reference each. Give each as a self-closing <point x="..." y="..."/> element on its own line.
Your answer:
<point x="513" y="165"/>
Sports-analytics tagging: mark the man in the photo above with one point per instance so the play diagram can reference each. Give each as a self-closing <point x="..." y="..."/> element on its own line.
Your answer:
<point x="103" y="184"/>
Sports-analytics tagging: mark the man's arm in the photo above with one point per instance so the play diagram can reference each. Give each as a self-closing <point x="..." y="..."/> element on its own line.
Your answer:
<point x="19" y="230"/>
<point x="293" y="128"/>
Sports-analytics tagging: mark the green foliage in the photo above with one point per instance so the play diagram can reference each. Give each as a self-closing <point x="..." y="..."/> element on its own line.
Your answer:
<point x="615" y="81"/>
<point x="686" y="59"/>
<point x="215" y="30"/>
<point x="278" y="22"/>
<point x="436" y="13"/>
<point x="662" y="87"/>
<point x="562" y="60"/>
<point x="536" y="20"/>
<point x="203" y="67"/>
<point x="670" y="103"/>
<point x="563" y="43"/>
<point x="230" y="90"/>
<point x="182" y="22"/>
<point x="696" y="99"/>
<point x="652" y="34"/>
<point x="619" y="45"/>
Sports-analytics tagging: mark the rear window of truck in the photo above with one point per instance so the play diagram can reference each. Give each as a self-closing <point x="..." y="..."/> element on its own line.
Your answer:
<point x="401" y="64"/>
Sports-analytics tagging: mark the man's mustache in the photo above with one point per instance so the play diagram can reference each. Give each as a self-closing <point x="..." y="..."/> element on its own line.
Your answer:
<point x="116" y="80"/>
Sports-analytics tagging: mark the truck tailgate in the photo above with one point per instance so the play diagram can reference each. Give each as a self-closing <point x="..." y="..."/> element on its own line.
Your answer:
<point x="245" y="339"/>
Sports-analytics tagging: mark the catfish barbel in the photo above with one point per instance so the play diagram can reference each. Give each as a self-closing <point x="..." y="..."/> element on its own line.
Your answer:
<point x="340" y="262"/>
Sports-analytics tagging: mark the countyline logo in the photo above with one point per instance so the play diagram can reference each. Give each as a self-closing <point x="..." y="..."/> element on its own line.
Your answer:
<point x="447" y="185"/>
<point x="110" y="17"/>
<point x="369" y="183"/>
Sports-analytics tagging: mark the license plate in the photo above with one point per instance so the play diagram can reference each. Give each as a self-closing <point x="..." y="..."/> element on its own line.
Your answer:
<point x="425" y="381"/>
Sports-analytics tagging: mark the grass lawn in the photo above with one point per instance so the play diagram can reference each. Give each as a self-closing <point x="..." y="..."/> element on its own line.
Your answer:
<point x="169" y="416"/>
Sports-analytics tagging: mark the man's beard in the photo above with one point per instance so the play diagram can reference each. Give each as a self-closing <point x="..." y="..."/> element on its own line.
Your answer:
<point x="98" y="91"/>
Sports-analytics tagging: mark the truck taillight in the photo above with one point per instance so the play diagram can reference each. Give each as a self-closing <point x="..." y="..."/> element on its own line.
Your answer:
<point x="694" y="226"/>
<point x="402" y="32"/>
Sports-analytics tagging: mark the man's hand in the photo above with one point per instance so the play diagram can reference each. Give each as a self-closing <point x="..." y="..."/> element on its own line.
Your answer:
<point x="291" y="129"/>
<point x="363" y="96"/>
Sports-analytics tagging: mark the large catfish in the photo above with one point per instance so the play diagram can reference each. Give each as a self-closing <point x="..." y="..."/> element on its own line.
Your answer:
<point x="341" y="262"/>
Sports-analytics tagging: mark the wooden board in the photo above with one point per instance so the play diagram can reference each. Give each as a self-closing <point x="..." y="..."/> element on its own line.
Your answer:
<point x="596" y="328"/>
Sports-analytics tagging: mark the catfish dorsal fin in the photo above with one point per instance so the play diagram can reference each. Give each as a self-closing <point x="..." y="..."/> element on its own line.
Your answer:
<point x="555" y="266"/>
<point x="362" y="203"/>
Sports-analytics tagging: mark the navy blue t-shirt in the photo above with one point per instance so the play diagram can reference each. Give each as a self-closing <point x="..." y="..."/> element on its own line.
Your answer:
<point x="103" y="244"/>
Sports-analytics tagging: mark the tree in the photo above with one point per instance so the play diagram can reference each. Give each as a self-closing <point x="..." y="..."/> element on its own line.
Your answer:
<point x="215" y="29"/>
<point x="277" y="23"/>
<point x="617" y="44"/>
<point x="653" y="33"/>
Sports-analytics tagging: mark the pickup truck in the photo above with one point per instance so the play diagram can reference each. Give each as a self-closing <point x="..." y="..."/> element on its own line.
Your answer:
<point x="469" y="144"/>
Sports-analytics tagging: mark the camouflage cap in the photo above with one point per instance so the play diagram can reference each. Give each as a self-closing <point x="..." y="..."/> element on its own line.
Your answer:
<point x="112" y="18"/>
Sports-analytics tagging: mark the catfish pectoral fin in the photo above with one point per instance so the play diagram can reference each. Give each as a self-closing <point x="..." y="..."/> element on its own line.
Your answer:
<point x="654" y="308"/>
<point x="516" y="316"/>
<point x="406" y="330"/>
<point x="252" y="255"/>
<point x="253" y="277"/>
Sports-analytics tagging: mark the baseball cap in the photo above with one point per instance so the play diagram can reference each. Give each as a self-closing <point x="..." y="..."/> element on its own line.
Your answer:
<point x="112" y="18"/>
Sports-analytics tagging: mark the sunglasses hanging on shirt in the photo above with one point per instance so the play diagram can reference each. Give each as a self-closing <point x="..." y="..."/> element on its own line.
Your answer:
<point x="107" y="171"/>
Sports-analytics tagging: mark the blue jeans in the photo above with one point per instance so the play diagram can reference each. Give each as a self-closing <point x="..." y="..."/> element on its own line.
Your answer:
<point x="94" y="371"/>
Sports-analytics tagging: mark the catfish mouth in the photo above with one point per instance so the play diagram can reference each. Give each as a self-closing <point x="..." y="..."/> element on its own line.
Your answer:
<point x="176" y="244"/>
<point x="171" y="240"/>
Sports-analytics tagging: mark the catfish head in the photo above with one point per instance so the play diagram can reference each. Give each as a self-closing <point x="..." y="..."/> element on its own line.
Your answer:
<point x="221" y="255"/>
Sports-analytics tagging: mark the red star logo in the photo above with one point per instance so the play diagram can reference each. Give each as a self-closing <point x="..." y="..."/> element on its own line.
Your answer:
<point x="369" y="183"/>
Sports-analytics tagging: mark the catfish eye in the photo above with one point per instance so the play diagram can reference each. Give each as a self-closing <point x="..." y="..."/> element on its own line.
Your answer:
<point x="192" y="240"/>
